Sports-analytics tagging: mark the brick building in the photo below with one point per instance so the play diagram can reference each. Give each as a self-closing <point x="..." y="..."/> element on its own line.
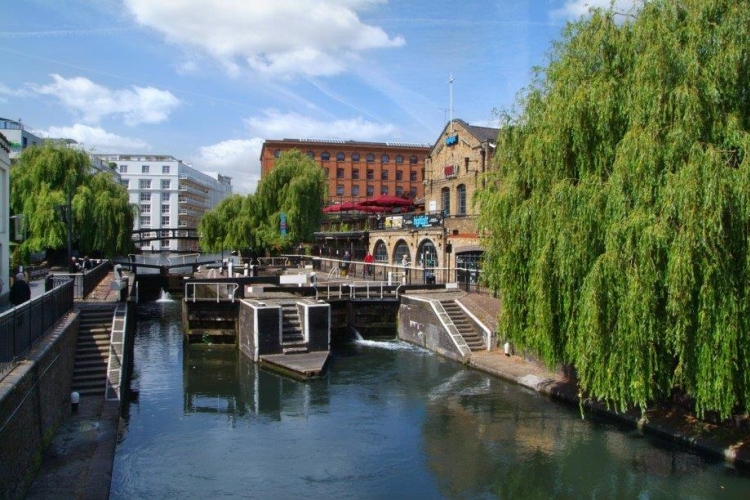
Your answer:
<point x="358" y="170"/>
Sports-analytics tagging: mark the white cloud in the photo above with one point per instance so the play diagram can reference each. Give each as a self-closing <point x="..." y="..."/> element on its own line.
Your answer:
<point x="236" y="158"/>
<point x="575" y="9"/>
<point x="273" y="37"/>
<point x="94" y="138"/>
<point x="92" y="101"/>
<point x="276" y="125"/>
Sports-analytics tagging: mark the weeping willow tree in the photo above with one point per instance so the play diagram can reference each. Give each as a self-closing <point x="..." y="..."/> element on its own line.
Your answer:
<point x="617" y="218"/>
<point x="40" y="183"/>
<point x="295" y="187"/>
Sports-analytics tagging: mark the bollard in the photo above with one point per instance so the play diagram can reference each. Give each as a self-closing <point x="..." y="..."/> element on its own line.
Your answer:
<point x="74" y="399"/>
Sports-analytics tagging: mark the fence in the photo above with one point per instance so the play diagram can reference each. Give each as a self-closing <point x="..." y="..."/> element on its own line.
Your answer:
<point x="23" y="325"/>
<point x="85" y="282"/>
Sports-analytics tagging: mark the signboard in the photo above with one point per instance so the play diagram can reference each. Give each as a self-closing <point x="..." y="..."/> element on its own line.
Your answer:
<point x="282" y="223"/>
<point x="414" y="221"/>
<point x="451" y="140"/>
<point x="450" y="171"/>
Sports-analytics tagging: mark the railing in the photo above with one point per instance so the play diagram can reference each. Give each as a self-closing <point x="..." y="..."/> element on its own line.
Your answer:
<point x="211" y="291"/>
<point x="23" y="325"/>
<point x="84" y="282"/>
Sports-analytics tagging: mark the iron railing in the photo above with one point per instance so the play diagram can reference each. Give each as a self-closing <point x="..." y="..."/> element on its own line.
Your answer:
<point x="23" y="325"/>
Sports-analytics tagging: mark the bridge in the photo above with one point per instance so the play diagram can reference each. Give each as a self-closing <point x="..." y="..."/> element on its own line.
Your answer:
<point x="146" y="235"/>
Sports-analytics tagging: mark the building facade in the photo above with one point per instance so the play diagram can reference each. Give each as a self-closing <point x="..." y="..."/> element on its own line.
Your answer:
<point x="443" y="240"/>
<point x="5" y="149"/>
<point x="17" y="136"/>
<point x="171" y="197"/>
<point x="358" y="170"/>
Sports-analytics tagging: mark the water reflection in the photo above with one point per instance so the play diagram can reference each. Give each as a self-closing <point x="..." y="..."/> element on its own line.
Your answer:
<point x="388" y="421"/>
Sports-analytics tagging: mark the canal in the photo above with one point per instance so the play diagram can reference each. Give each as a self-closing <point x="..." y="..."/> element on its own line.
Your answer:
<point x="388" y="421"/>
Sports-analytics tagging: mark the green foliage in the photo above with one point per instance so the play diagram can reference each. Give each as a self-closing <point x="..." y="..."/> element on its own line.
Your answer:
<point x="616" y="217"/>
<point x="102" y="216"/>
<point x="296" y="187"/>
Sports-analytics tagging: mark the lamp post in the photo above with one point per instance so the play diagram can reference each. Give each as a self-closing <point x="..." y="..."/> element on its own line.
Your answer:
<point x="66" y="214"/>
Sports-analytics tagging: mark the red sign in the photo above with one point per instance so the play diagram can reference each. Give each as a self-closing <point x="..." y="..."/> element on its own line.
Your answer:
<point x="450" y="171"/>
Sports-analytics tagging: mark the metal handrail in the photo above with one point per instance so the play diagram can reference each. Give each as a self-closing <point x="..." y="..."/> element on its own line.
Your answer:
<point x="224" y="291"/>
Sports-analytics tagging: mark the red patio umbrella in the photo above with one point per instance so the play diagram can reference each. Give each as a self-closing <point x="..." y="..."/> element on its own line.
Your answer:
<point x="385" y="200"/>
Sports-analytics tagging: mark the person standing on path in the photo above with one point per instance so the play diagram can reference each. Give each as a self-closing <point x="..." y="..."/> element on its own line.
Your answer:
<point x="347" y="262"/>
<point x="369" y="259"/>
<point x="20" y="292"/>
<point x="405" y="263"/>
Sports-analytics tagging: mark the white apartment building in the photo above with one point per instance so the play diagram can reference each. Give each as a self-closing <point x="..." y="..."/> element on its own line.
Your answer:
<point x="4" y="221"/>
<point x="170" y="195"/>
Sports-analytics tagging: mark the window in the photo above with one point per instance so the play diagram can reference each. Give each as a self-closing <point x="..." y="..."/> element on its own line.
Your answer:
<point x="165" y="197"/>
<point x="164" y="243"/>
<point x="164" y="221"/>
<point x="326" y="171"/>
<point x="165" y="183"/>
<point x="355" y="156"/>
<point x="370" y="158"/>
<point x="399" y="191"/>
<point x="413" y="176"/>
<point x="165" y="169"/>
<point x="277" y="153"/>
<point x="370" y="174"/>
<point x="145" y="221"/>
<point x="381" y="252"/>
<point x="355" y="174"/>
<point x="399" y="175"/>
<point x="399" y="158"/>
<point x="384" y="175"/>
<point x="355" y="190"/>
<point x="325" y="156"/>
<point x="413" y="193"/>
<point x="144" y="169"/>
<point x="165" y="209"/>
<point x="445" y="200"/>
<point x="145" y="197"/>
<point x="311" y="154"/>
<point x="340" y="156"/>
<point x="145" y="184"/>
<point x="123" y="169"/>
<point x="402" y="248"/>
<point x="383" y="189"/>
<point x="461" y="199"/>
<point x="413" y="160"/>
<point x="145" y="209"/>
<point x="340" y="190"/>
<point x="370" y="190"/>
<point x="339" y="173"/>
<point x="385" y="159"/>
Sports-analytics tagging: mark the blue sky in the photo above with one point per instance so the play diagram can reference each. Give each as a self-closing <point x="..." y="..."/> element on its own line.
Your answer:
<point x="207" y="81"/>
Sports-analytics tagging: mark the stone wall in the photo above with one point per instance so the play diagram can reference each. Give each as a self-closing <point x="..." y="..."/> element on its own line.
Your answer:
<point x="34" y="400"/>
<point x="418" y="324"/>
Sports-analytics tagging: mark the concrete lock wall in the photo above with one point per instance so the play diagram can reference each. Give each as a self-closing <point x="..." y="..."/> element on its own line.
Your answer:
<point x="418" y="324"/>
<point x="34" y="400"/>
<point x="255" y="317"/>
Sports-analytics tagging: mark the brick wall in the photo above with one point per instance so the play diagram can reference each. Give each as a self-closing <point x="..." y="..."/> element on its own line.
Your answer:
<point x="34" y="400"/>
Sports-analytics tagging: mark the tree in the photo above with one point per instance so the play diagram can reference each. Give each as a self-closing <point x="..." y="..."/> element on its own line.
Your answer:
<point x="616" y="220"/>
<point x="40" y="182"/>
<point x="296" y="187"/>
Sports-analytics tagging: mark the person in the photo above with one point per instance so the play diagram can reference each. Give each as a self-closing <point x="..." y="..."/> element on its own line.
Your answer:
<point x="86" y="264"/>
<point x="369" y="259"/>
<point x="49" y="282"/>
<point x="20" y="292"/>
<point x="347" y="262"/>
<point x="405" y="263"/>
<point x="74" y="265"/>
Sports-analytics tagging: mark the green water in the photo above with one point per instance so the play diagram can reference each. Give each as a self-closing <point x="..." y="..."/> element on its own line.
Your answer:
<point x="389" y="421"/>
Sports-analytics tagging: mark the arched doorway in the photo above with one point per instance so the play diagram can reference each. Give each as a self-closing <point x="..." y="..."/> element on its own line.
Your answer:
<point x="428" y="260"/>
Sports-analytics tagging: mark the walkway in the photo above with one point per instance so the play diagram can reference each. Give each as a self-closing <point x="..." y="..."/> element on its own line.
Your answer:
<point x="78" y="462"/>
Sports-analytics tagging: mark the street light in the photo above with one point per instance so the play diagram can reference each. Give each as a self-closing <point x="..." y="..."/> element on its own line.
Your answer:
<point x="66" y="214"/>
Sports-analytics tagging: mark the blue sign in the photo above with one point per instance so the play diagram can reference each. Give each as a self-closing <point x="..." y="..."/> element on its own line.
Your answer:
<point x="451" y="140"/>
<point x="282" y="219"/>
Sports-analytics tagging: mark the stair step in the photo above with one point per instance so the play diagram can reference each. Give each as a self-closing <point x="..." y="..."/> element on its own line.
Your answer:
<point x="294" y="350"/>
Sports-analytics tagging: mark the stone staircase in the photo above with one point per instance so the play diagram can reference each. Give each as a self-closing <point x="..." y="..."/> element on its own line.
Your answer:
<point x="92" y="350"/>
<point x="471" y="335"/>
<point x="292" y="336"/>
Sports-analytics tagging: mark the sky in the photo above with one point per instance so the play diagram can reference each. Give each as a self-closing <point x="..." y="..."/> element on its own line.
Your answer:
<point x="207" y="81"/>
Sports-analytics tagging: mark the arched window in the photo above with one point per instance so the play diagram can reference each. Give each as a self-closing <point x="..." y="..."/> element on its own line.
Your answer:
<point x="428" y="257"/>
<point x="370" y="157"/>
<point x="413" y="160"/>
<point x="399" y="158"/>
<point x="311" y="154"/>
<point x="355" y="156"/>
<point x="402" y="248"/>
<point x="445" y="200"/>
<point x="325" y="156"/>
<point x="385" y="159"/>
<point x="277" y="153"/>
<point x="339" y="156"/>
<point x="461" y="199"/>
<point x="381" y="252"/>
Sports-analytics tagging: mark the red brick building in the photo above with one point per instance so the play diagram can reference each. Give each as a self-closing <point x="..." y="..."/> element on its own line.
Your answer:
<point x="358" y="170"/>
